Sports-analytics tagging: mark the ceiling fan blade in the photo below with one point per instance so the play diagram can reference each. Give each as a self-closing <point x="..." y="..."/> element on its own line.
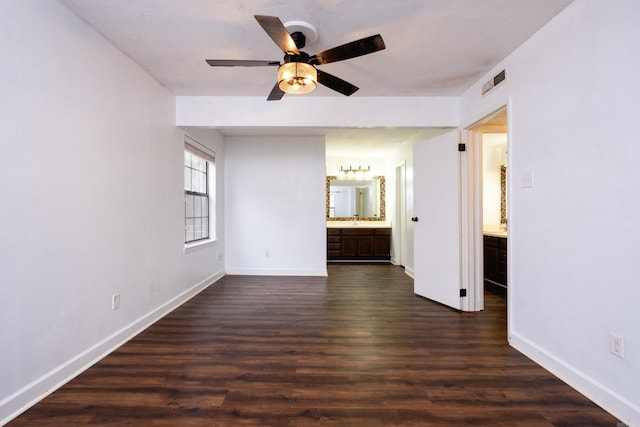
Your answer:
<point x="336" y="83"/>
<point x="276" y="93"/>
<point x="240" y="63"/>
<point x="278" y="33"/>
<point x="349" y="50"/>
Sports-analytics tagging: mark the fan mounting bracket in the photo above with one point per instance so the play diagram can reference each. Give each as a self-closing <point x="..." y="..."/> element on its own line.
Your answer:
<point x="309" y="31"/>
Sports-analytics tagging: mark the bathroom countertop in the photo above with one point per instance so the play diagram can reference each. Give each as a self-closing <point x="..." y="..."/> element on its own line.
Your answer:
<point x="495" y="233"/>
<point x="494" y="230"/>
<point x="358" y="224"/>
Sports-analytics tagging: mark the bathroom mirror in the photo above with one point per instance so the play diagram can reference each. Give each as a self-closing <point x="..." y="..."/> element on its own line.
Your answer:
<point x="355" y="199"/>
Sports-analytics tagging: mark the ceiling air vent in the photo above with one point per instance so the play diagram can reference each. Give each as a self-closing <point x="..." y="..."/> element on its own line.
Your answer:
<point x="495" y="81"/>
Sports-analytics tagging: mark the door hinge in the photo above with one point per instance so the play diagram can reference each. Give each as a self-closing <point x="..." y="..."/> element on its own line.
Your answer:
<point x="462" y="147"/>
<point x="463" y="293"/>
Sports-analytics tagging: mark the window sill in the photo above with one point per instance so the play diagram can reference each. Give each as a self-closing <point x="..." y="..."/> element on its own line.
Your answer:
<point x="190" y="247"/>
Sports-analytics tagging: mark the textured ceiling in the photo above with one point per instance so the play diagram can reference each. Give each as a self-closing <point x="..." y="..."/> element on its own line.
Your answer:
<point x="433" y="47"/>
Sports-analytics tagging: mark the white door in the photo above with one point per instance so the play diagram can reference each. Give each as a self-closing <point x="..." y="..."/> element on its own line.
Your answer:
<point x="436" y="233"/>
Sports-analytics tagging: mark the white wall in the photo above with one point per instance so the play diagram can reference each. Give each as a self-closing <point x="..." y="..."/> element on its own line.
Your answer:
<point x="91" y="183"/>
<point x="574" y="96"/>
<point x="275" y="204"/>
<point x="315" y="111"/>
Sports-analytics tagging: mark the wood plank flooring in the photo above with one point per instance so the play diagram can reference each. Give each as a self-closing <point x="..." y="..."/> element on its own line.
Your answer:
<point x="355" y="349"/>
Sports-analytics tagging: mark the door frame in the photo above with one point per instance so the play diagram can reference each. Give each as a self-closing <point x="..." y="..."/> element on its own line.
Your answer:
<point x="400" y="253"/>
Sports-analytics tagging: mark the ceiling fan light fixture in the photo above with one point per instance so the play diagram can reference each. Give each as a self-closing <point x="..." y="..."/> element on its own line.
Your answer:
<point x="297" y="78"/>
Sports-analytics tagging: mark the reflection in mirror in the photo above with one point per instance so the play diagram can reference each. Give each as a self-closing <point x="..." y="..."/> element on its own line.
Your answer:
<point x="351" y="199"/>
<point x="503" y="195"/>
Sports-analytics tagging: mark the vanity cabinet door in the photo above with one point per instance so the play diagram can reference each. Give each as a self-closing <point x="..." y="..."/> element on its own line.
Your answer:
<point x="357" y="242"/>
<point x="495" y="260"/>
<point x="491" y="258"/>
<point x="383" y="243"/>
<point x="502" y="262"/>
<point x="350" y="246"/>
<point x="366" y="247"/>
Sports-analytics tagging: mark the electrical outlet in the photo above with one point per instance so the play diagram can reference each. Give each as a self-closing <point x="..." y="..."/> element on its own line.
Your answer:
<point x="616" y="344"/>
<point x="115" y="301"/>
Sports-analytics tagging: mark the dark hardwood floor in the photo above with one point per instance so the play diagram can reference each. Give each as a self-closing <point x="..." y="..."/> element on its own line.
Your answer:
<point x="355" y="349"/>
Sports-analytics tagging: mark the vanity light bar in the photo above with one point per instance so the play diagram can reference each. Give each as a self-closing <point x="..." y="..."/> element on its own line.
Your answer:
<point x="354" y="173"/>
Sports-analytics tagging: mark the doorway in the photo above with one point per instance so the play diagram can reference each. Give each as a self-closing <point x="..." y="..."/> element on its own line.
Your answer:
<point x="490" y="135"/>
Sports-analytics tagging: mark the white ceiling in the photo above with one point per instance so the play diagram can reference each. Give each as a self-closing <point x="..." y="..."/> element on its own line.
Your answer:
<point x="433" y="47"/>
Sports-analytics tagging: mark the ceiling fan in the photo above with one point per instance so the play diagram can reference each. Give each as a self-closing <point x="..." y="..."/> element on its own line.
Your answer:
<point x="298" y="73"/>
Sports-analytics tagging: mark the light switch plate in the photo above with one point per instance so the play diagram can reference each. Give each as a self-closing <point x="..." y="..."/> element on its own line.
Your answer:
<point x="526" y="179"/>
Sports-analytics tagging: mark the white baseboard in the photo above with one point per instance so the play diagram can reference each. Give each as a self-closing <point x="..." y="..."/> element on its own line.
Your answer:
<point x="275" y="272"/>
<point x="618" y="406"/>
<point x="409" y="272"/>
<point x="32" y="393"/>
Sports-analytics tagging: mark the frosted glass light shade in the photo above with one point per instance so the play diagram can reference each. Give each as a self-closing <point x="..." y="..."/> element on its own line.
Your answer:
<point x="297" y="77"/>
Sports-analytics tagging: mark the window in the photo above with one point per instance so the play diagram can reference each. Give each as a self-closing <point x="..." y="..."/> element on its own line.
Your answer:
<point x="198" y="179"/>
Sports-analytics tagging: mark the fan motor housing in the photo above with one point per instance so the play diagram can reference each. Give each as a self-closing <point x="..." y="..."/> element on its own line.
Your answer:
<point x="299" y="39"/>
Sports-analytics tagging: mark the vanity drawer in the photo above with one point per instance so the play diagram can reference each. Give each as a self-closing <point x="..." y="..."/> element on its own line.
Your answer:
<point x="491" y="242"/>
<point x="358" y="231"/>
